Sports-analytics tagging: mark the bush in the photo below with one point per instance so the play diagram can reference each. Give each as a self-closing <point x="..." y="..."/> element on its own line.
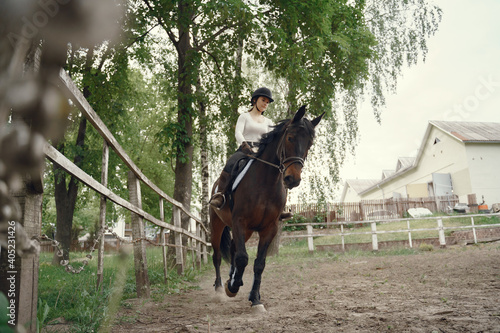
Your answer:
<point x="296" y="218"/>
<point x="319" y="218"/>
<point x="426" y="247"/>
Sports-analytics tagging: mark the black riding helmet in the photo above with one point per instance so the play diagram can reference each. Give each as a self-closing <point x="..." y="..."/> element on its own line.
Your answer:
<point x="262" y="92"/>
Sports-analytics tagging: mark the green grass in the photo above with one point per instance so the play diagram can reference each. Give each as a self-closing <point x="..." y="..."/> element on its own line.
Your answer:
<point x="296" y="252"/>
<point x="75" y="299"/>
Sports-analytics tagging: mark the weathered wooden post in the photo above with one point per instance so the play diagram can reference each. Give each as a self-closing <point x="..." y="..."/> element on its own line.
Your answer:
<point x="102" y="213"/>
<point x="361" y="211"/>
<point x="140" y="262"/>
<point x="163" y="241"/>
<point x="472" y="203"/>
<point x="19" y="274"/>
<point x="198" y="246"/>
<point x="179" y="261"/>
<point x="203" y="246"/>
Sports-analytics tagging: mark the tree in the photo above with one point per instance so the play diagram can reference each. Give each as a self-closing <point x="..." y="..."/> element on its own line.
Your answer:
<point x="200" y="33"/>
<point x="330" y="53"/>
<point x="118" y="94"/>
<point x="333" y="54"/>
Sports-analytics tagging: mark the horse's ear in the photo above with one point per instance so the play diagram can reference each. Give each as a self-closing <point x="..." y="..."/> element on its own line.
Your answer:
<point x="315" y="121"/>
<point x="299" y="114"/>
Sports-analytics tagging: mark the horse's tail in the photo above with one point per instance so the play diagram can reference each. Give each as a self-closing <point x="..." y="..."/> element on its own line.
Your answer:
<point x="225" y="244"/>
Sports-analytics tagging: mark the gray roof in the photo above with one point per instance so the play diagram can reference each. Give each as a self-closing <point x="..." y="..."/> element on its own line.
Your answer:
<point x="470" y="132"/>
<point x="404" y="162"/>
<point x="387" y="173"/>
<point x="359" y="185"/>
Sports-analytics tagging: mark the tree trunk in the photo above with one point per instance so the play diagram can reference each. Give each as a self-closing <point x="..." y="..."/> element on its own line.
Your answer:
<point x="66" y="198"/>
<point x="205" y="186"/>
<point x="235" y="89"/>
<point x="274" y="247"/>
<point x="185" y="78"/>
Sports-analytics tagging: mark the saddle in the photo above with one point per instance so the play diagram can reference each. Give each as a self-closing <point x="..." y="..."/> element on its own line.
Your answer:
<point x="237" y="166"/>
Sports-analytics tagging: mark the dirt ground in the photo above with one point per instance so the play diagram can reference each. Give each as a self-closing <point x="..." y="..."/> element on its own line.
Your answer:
<point x="450" y="290"/>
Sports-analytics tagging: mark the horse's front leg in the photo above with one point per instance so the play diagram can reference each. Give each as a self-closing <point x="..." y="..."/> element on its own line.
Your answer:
<point x="265" y="238"/>
<point x="239" y="260"/>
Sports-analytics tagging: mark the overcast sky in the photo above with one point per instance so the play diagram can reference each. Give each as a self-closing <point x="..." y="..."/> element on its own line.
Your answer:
<point x="460" y="81"/>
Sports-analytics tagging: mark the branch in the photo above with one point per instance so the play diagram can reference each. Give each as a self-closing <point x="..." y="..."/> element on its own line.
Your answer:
<point x="160" y="22"/>
<point x="218" y="33"/>
<point x="104" y="58"/>
<point x="215" y="60"/>
<point x="141" y="36"/>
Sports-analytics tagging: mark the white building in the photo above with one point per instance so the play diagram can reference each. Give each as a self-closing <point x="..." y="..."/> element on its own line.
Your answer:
<point x="459" y="158"/>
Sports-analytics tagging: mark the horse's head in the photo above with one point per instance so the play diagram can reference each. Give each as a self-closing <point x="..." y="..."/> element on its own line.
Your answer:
<point x="295" y="143"/>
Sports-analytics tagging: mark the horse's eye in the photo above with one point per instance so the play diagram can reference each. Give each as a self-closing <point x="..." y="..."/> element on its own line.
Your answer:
<point x="290" y="138"/>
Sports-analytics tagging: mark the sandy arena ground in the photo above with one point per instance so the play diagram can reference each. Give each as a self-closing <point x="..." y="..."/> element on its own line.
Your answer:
<point x="451" y="290"/>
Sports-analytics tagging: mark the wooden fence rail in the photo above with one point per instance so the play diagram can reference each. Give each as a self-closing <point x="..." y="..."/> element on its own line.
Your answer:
<point x="440" y="229"/>
<point x="135" y="179"/>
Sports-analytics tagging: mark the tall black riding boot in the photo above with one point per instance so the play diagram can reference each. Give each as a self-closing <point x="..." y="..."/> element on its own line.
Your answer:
<point x="218" y="200"/>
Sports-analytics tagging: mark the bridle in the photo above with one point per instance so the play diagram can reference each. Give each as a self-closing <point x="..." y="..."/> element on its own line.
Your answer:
<point x="281" y="154"/>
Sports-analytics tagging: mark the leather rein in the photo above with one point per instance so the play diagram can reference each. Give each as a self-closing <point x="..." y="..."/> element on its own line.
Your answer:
<point x="281" y="154"/>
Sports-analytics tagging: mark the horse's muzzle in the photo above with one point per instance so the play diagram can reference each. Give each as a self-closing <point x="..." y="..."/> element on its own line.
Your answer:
<point x="291" y="182"/>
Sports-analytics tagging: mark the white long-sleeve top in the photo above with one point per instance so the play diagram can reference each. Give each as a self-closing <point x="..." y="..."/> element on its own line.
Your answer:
<point x="250" y="130"/>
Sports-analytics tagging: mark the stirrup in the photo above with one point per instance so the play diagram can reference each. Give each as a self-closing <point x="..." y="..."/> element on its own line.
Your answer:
<point x="223" y="200"/>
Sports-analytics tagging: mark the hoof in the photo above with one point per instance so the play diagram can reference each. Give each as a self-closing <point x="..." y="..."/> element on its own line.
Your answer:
<point x="259" y="308"/>
<point x="229" y="292"/>
<point x="219" y="296"/>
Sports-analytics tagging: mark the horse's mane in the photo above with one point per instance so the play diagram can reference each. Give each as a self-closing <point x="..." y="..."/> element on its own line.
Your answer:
<point x="278" y="131"/>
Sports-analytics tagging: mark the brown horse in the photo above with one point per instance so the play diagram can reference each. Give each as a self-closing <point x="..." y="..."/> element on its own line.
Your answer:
<point x="259" y="199"/>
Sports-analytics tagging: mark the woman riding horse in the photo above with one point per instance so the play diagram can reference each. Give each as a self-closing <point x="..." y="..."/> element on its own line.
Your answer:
<point x="258" y="201"/>
<point x="249" y="129"/>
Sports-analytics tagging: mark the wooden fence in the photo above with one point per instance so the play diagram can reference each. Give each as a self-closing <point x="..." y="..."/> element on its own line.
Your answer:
<point x="343" y="231"/>
<point x="138" y="215"/>
<point x="366" y="210"/>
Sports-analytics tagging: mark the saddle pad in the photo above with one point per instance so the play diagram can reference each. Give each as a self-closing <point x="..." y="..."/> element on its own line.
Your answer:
<point x="241" y="175"/>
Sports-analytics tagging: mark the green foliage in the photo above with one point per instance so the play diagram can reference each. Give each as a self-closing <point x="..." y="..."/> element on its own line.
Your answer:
<point x="331" y="55"/>
<point x="290" y="224"/>
<point x="4" y="311"/>
<point x="41" y="315"/>
<point x="296" y="219"/>
<point x="130" y="105"/>
<point x="75" y="298"/>
<point x="320" y="218"/>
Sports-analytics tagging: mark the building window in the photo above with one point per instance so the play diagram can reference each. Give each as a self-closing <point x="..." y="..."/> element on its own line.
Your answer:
<point x="436" y="140"/>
